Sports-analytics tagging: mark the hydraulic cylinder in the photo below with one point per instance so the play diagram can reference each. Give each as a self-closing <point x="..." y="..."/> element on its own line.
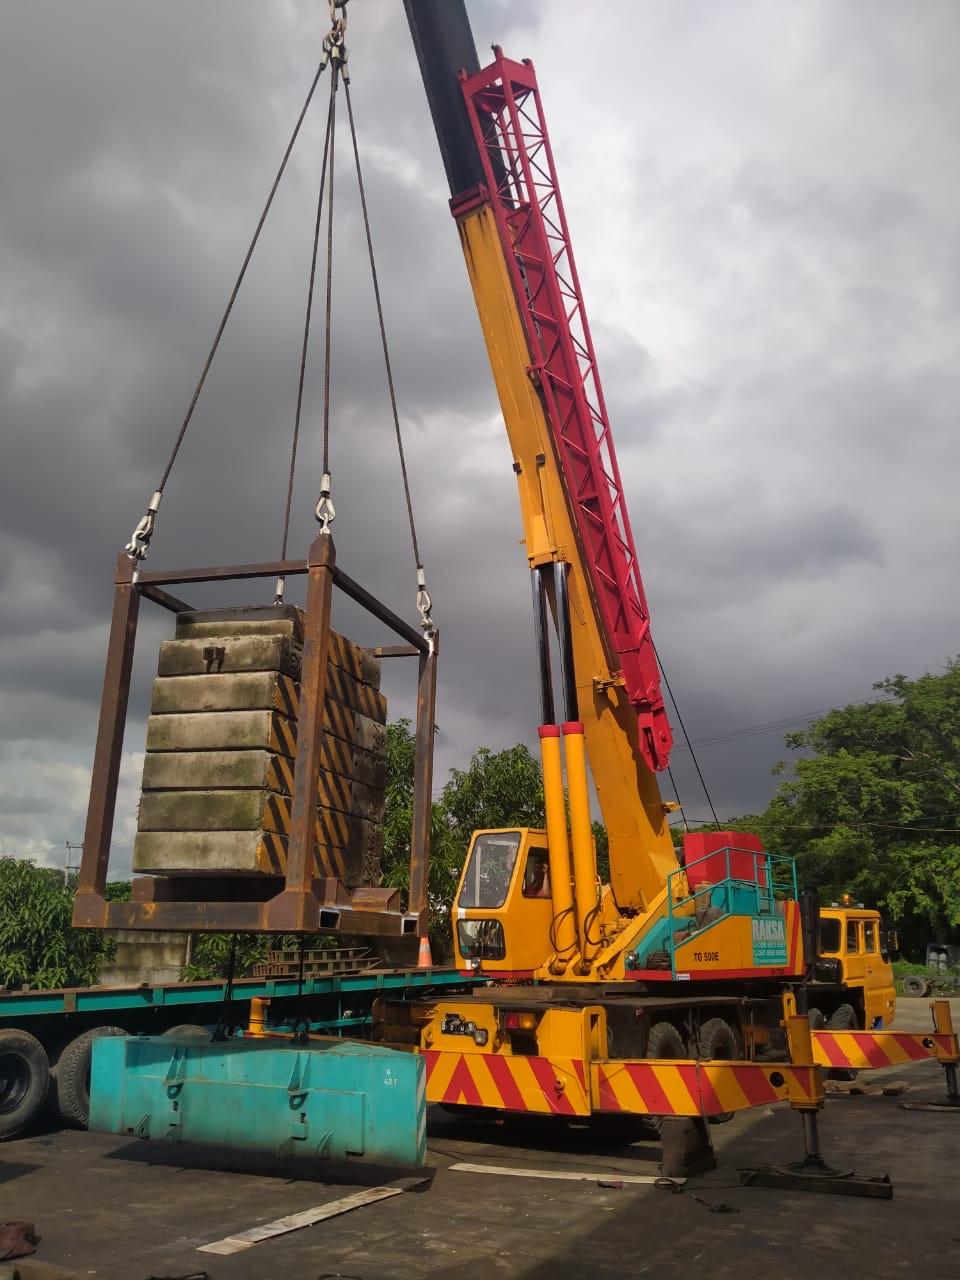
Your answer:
<point x="581" y="838"/>
<point x="564" y="937"/>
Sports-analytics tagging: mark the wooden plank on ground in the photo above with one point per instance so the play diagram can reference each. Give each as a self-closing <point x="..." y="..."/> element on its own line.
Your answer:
<point x="308" y="1217"/>
<point x="566" y="1175"/>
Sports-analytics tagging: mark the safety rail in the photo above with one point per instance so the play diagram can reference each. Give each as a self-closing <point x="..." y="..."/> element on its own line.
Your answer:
<point x="752" y="883"/>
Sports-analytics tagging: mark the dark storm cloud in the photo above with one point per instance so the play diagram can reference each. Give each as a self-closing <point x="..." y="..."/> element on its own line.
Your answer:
<point x="767" y="245"/>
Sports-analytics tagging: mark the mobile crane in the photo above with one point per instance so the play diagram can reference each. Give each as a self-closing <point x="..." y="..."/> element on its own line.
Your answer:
<point x="687" y="956"/>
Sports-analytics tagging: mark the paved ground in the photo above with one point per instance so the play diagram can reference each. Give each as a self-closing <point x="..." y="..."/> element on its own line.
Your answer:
<point x="115" y="1209"/>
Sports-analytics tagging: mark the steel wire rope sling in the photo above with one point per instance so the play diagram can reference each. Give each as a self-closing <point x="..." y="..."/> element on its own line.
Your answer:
<point x="334" y="56"/>
<point x="290" y="910"/>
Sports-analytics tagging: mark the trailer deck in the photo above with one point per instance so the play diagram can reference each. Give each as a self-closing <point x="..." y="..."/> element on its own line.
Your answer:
<point x="190" y="997"/>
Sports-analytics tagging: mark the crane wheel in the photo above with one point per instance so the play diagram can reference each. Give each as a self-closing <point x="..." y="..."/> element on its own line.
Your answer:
<point x="186" y="1031"/>
<point x="663" y="1041"/>
<point x="816" y="1019"/>
<point x="719" y="1040"/>
<point x="24" y="1080"/>
<point x="70" y="1076"/>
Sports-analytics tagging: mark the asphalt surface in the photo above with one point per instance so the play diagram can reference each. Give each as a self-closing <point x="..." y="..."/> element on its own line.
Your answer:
<point x="112" y="1208"/>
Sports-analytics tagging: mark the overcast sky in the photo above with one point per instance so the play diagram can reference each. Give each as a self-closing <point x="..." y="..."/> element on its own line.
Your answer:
<point x="763" y="199"/>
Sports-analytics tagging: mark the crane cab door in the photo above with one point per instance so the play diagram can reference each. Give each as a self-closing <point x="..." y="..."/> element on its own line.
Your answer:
<point x="503" y="913"/>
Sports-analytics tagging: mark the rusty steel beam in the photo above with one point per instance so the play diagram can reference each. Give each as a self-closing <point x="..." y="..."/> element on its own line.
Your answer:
<point x="291" y="909"/>
<point x="379" y="610"/>
<point x="423" y="784"/>
<point x="109" y="748"/>
<point x="205" y="888"/>
<point x="255" y="917"/>
<point x="164" y="599"/>
<point x="286" y="569"/>
<point x="223" y="573"/>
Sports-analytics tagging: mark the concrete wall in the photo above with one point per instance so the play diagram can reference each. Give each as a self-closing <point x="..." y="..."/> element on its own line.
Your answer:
<point x="145" y="956"/>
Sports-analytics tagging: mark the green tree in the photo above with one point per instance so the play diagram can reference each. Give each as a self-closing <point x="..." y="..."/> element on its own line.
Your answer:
<point x="397" y="825"/>
<point x="874" y="808"/>
<point x="210" y="957"/>
<point x="497" y="789"/>
<point x="38" y="946"/>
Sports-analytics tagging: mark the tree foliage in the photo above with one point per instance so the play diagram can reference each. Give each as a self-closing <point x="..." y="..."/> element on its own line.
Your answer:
<point x="38" y="946"/>
<point x="873" y="808"/>
<point x="497" y="789"/>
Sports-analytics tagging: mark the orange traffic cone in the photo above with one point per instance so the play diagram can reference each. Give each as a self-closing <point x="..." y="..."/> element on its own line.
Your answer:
<point x="424" y="956"/>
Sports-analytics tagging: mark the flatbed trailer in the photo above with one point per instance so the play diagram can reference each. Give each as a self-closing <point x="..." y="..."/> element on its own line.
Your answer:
<point x="46" y="1037"/>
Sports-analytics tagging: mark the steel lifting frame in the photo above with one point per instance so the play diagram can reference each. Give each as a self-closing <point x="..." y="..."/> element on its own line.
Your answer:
<point x="503" y="105"/>
<point x="300" y="902"/>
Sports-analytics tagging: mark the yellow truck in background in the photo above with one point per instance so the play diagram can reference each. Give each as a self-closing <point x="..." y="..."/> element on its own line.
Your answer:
<point x="852" y="986"/>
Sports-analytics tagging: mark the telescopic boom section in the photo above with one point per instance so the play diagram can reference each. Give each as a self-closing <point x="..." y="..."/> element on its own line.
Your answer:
<point x="505" y="113"/>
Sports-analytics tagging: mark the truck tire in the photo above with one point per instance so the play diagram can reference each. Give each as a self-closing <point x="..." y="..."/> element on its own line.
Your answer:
<point x="914" y="984"/>
<point x="843" y="1018"/>
<point x="70" y="1075"/>
<point x="24" y="1080"/>
<point x="816" y="1019"/>
<point x="186" y="1031"/>
<point x="718" y="1039"/>
<point x="663" y="1041"/>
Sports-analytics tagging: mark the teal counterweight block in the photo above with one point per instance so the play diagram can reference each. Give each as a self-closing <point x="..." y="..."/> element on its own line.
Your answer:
<point x="328" y="1099"/>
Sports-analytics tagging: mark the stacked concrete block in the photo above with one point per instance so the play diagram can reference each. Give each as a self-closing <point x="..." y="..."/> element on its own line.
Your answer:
<point x="222" y="745"/>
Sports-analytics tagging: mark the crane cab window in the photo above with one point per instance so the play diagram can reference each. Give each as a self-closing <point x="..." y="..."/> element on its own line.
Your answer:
<point x="853" y="937"/>
<point x="829" y="936"/>
<point x="488" y="873"/>
<point x="536" y="875"/>
<point x="870" y="936"/>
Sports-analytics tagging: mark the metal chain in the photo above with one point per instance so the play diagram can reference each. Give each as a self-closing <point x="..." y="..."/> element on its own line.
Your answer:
<point x="424" y="602"/>
<point x="139" y="543"/>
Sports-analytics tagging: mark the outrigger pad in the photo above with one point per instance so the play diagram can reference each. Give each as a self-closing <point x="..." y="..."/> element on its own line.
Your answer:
<point x="686" y="1146"/>
<point x="814" y="1175"/>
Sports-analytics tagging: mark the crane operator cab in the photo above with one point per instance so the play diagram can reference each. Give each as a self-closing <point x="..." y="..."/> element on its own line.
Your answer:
<point x="503" y="913"/>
